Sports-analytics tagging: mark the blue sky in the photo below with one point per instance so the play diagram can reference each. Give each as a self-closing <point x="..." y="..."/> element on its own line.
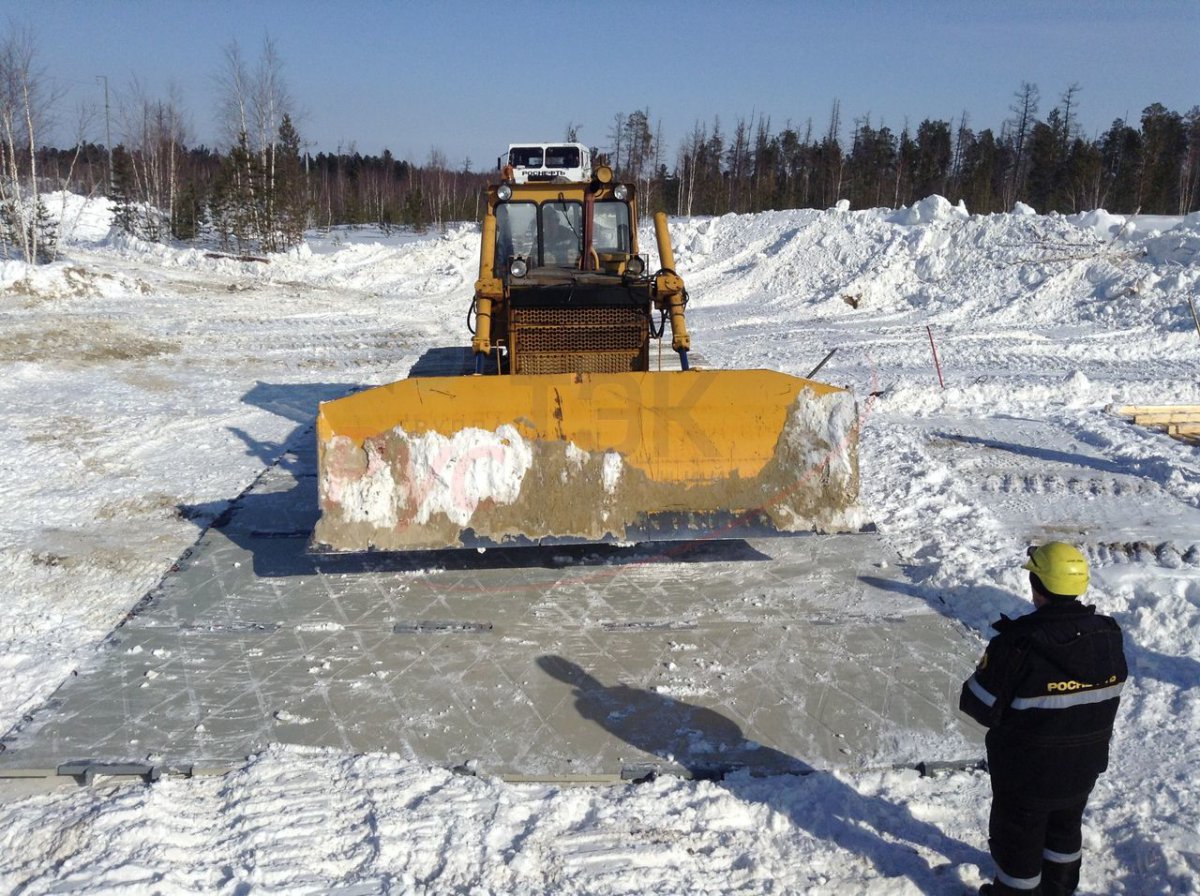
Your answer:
<point x="467" y="78"/>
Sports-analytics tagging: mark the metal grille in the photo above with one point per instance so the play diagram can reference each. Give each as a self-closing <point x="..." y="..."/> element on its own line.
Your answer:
<point x="581" y="362"/>
<point x="578" y="340"/>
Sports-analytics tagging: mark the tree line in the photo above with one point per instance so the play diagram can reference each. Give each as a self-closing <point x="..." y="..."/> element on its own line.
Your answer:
<point x="1149" y="167"/>
<point x="259" y="193"/>
<point x="263" y="189"/>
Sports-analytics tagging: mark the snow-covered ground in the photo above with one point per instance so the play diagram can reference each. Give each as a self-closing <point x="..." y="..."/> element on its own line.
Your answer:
<point x="139" y="379"/>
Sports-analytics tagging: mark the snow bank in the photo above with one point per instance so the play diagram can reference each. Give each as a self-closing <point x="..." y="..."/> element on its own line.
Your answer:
<point x="931" y="210"/>
<point x="144" y="387"/>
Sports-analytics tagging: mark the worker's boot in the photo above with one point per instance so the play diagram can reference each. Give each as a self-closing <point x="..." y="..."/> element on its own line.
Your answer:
<point x="1060" y="878"/>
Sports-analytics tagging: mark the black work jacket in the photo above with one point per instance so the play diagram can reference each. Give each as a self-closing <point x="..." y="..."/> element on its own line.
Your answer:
<point x="1047" y="689"/>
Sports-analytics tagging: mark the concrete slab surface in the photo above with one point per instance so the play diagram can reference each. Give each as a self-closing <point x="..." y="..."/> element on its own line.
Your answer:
<point x="570" y="663"/>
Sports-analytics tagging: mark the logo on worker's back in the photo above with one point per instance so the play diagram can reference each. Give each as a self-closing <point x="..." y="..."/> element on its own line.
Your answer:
<point x="1067" y="686"/>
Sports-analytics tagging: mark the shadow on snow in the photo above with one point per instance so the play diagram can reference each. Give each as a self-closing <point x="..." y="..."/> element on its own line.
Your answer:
<point x="707" y="745"/>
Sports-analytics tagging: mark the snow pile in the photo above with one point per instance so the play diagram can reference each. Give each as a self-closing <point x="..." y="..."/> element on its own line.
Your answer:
<point x="81" y="220"/>
<point x="931" y="210"/>
<point x="144" y="387"/>
<point x="935" y="262"/>
<point x="1178" y="246"/>
<point x="1106" y="226"/>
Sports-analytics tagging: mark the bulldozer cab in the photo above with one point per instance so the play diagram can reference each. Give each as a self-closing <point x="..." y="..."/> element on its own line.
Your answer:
<point x="551" y="233"/>
<point x="562" y="288"/>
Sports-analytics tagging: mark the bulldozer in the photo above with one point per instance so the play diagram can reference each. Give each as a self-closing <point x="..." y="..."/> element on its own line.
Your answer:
<point x="563" y="426"/>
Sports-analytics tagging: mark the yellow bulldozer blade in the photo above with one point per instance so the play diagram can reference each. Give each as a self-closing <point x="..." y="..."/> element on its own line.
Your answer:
<point x="477" y="461"/>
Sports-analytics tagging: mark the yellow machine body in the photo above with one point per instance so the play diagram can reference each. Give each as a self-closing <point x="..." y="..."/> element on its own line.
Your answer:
<point x="564" y="433"/>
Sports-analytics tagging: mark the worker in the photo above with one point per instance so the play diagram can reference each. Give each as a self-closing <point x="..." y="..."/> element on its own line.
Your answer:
<point x="561" y="240"/>
<point x="1047" y="690"/>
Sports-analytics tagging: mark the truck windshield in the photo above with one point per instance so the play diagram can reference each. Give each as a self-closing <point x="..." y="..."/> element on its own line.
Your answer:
<point x="562" y="157"/>
<point x="525" y="157"/>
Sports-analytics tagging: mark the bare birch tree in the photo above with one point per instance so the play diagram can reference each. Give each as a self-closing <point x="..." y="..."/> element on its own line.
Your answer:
<point x="439" y="181"/>
<point x="689" y="159"/>
<point x="1024" y="111"/>
<point x="155" y="135"/>
<point x="252" y="106"/>
<point x="24" y="103"/>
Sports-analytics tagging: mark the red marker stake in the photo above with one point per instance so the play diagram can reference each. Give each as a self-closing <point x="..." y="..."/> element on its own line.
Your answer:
<point x="937" y="364"/>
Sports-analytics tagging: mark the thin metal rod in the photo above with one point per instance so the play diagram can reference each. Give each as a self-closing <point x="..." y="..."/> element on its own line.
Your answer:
<point x="936" y="363"/>
<point x="817" y="369"/>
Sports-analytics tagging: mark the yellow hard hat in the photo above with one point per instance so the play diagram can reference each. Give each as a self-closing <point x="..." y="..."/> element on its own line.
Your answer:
<point x="1061" y="568"/>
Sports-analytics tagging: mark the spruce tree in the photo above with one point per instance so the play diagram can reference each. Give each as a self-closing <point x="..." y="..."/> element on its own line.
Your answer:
<point x="982" y="173"/>
<point x="1083" y="176"/>
<point x="1121" y="152"/>
<point x="122" y="191"/>
<point x="1042" y="184"/>
<point x="289" y="188"/>
<point x="47" y="234"/>
<point x="932" y="162"/>
<point x="1165" y="152"/>
<point x="188" y="212"/>
<point x="414" y="211"/>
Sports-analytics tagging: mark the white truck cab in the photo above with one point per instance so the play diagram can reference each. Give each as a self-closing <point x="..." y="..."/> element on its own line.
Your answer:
<point x="528" y="162"/>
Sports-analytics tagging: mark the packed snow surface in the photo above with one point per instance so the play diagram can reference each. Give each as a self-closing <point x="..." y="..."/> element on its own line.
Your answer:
<point x="144" y="387"/>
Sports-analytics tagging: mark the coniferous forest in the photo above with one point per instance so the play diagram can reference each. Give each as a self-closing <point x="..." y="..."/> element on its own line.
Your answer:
<point x="261" y="189"/>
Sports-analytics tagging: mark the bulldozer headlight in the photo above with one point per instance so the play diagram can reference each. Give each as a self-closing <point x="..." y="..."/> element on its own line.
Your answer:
<point x="635" y="267"/>
<point x="504" y="192"/>
<point x="621" y="192"/>
<point x="517" y="267"/>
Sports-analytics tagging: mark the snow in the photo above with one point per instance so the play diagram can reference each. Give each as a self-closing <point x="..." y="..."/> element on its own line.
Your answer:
<point x="145" y="386"/>
<point x="610" y="471"/>
<point x="471" y="467"/>
<point x="450" y="476"/>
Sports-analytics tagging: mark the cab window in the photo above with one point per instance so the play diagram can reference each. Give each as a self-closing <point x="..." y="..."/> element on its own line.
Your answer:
<point x="516" y="232"/>
<point x="611" y="230"/>
<point x="562" y="157"/>
<point x="525" y="157"/>
<point x="562" y="233"/>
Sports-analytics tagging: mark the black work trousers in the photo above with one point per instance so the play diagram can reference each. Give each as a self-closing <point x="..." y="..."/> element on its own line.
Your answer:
<point x="1036" y="850"/>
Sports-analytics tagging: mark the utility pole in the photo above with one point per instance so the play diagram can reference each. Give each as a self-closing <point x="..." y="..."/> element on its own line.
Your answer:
<point x="107" y="132"/>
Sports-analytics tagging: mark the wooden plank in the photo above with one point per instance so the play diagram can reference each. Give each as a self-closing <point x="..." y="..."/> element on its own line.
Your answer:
<point x="1131" y="410"/>
<point x="1152" y="419"/>
<point x="1184" y="429"/>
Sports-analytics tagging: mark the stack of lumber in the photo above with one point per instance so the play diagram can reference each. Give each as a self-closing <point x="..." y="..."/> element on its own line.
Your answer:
<point x="1179" y="420"/>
